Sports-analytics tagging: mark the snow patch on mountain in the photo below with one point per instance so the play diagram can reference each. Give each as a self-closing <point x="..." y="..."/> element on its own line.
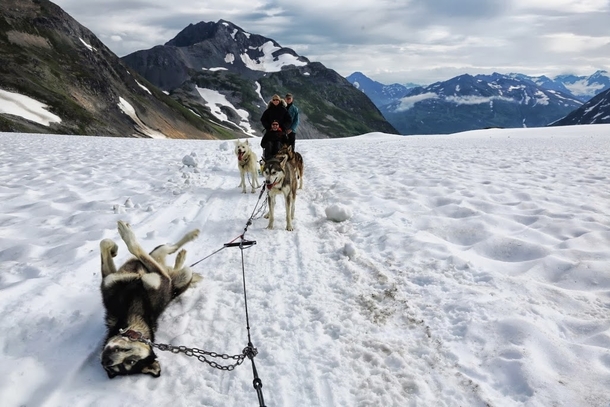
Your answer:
<point x="26" y="107"/>
<point x="215" y="101"/>
<point x="129" y="110"/>
<point x="268" y="62"/>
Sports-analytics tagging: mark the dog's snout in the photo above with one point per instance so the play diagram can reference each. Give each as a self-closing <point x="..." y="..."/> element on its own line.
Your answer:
<point x="106" y="360"/>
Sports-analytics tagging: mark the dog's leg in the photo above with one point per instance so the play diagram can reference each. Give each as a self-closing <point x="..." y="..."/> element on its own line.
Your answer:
<point x="181" y="275"/>
<point x="190" y="236"/>
<point x="180" y="259"/>
<point x="108" y="250"/>
<point x="301" y="177"/>
<point x="134" y="248"/>
<point x="242" y="184"/>
<point x="254" y="181"/>
<point x="293" y="205"/>
<point x="161" y="252"/>
<point x="271" y="205"/>
<point x="289" y="210"/>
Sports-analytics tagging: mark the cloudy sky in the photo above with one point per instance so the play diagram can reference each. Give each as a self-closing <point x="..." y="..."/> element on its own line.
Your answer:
<point x="420" y="41"/>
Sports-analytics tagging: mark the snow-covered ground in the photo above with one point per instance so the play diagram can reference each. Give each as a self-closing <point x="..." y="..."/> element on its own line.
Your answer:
<point x="472" y="270"/>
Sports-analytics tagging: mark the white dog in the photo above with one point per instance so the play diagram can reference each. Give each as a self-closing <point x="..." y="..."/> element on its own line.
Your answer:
<point x="247" y="163"/>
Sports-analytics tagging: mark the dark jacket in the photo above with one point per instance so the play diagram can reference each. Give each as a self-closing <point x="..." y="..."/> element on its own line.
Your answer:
<point x="271" y="143"/>
<point x="279" y="113"/>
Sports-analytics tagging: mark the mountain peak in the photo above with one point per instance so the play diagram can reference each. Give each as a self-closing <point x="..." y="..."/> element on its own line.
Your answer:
<point x="193" y="34"/>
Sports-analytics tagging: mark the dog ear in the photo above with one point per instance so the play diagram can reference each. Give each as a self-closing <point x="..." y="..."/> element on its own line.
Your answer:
<point x="154" y="369"/>
<point x="284" y="160"/>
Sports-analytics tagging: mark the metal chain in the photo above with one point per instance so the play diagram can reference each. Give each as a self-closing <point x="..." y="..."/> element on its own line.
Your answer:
<point x="201" y="355"/>
<point x="260" y="211"/>
<point x="195" y="352"/>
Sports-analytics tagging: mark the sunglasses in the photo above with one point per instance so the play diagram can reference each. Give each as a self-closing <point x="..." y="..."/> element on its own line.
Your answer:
<point x="276" y="100"/>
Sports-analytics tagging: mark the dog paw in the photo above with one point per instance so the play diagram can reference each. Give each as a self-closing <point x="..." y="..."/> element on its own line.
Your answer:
<point x="108" y="246"/>
<point x="125" y="231"/>
<point x="266" y="216"/>
<point x="289" y="228"/>
<point x="180" y="259"/>
<point x="196" y="278"/>
<point x="193" y="234"/>
<point x="128" y="236"/>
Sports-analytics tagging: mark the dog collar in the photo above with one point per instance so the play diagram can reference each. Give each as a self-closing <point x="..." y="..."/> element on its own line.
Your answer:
<point x="132" y="335"/>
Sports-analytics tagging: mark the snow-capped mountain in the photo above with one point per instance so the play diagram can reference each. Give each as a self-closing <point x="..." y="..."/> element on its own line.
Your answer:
<point x="544" y="82"/>
<point x="379" y="93"/>
<point x="46" y="56"/>
<point x="221" y="71"/>
<point x="212" y="46"/>
<point x="595" y="111"/>
<point x="213" y="80"/>
<point x="515" y="100"/>
<point x="585" y="87"/>
<point x="581" y="87"/>
<point x="469" y="102"/>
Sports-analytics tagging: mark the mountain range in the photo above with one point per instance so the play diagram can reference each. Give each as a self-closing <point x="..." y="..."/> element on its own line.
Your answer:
<point x="469" y="102"/>
<point x="212" y="80"/>
<point x="49" y="57"/>
<point x="212" y="61"/>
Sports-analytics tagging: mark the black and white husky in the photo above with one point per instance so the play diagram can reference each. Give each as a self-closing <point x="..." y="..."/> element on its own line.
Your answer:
<point x="134" y="296"/>
<point x="280" y="179"/>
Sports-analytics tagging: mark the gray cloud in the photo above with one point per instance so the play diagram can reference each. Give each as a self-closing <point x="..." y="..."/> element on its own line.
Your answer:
<point x="420" y="41"/>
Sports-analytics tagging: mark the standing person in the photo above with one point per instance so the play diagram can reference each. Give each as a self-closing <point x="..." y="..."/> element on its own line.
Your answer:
<point x="293" y="111"/>
<point x="273" y="140"/>
<point x="276" y="111"/>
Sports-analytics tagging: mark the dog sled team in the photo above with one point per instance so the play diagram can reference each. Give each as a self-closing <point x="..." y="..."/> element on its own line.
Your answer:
<point x="281" y="165"/>
<point x="136" y="294"/>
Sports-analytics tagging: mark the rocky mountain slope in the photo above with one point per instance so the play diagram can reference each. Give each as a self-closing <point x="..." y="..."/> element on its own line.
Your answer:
<point x="228" y="75"/>
<point x="48" y="56"/>
<point x="595" y="111"/>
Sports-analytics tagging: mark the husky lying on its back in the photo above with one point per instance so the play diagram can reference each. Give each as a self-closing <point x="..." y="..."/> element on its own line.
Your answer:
<point x="134" y="296"/>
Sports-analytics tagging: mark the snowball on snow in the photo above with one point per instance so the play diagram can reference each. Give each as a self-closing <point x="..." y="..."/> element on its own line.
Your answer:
<point x="189" y="160"/>
<point x="350" y="251"/>
<point x="338" y="212"/>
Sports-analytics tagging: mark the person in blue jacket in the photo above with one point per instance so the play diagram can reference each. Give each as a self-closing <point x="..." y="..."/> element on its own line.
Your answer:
<point x="293" y="111"/>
